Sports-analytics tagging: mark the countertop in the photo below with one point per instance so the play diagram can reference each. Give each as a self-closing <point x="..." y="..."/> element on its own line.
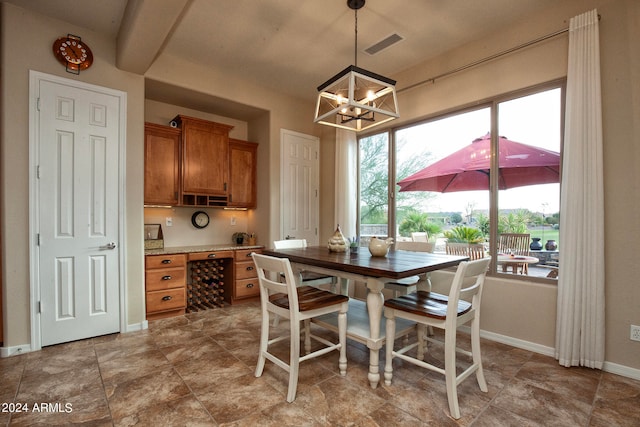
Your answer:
<point x="201" y="248"/>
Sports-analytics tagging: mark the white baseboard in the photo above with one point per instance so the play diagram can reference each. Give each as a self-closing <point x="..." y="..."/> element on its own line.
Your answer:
<point x="612" y="368"/>
<point x="137" y="326"/>
<point x="15" y="350"/>
<point x="518" y="343"/>
<point x="625" y="371"/>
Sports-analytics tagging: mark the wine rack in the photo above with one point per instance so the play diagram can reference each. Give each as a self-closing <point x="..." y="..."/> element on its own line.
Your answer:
<point x="205" y="289"/>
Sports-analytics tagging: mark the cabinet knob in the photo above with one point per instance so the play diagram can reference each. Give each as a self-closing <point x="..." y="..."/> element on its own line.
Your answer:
<point x="166" y="277"/>
<point x="166" y="261"/>
<point x="249" y="285"/>
<point x="249" y="254"/>
<point x="166" y="298"/>
<point x="249" y="268"/>
<point x="212" y="255"/>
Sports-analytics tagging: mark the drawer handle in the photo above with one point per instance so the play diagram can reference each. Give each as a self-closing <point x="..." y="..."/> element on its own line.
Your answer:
<point x="167" y="298"/>
<point x="166" y="277"/>
<point x="249" y="285"/>
<point x="166" y="261"/>
<point x="250" y="268"/>
<point x="212" y="255"/>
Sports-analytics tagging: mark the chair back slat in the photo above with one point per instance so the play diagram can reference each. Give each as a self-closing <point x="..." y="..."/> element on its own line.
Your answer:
<point x="420" y="236"/>
<point x="270" y="270"/>
<point x="415" y="246"/>
<point x="472" y="250"/>
<point x="290" y="243"/>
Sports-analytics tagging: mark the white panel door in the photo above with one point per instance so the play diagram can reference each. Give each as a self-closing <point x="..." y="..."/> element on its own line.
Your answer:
<point x="299" y="189"/>
<point x="77" y="196"/>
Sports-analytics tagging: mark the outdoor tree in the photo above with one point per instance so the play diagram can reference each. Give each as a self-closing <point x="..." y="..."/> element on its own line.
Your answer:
<point x="456" y="218"/>
<point x="374" y="180"/>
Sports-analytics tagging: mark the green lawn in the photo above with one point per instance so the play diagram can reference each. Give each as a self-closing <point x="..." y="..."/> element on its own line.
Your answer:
<point x="549" y="234"/>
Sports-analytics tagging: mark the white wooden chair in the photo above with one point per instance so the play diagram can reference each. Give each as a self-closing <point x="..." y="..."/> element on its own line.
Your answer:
<point x="420" y="236"/>
<point x="462" y="306"/>
<point x="298" y="304"/>
<point x="408" y="285"/>
<point x="309" y="278"/>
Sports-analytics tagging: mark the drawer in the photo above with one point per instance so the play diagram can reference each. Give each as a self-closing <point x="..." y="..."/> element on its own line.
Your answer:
<point x="247" y="288"/>
<point x="166" y="300"/>
<point x="164" y="261"/>
<point x="245" y="270"/>
<point x="165" y="279"/>
<point x="199" y="256"/>
<point x="245" y="254"/>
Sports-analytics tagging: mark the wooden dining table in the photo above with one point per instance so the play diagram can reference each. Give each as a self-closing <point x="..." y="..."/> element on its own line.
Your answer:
<point x="365" y="322"/>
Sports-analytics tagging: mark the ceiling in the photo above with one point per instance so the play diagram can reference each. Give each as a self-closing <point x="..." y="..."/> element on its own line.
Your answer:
<point x="291" y="46"/>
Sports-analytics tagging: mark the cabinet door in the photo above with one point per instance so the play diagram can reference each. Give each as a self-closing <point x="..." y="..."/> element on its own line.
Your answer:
<point x="161" y="164"/>
<point x="242" y="181"/>
<point x="205" y="161"/>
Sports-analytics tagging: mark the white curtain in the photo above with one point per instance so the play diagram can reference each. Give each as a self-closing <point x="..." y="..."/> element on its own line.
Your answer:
<point x="346" y="182"/>
<point x="580" y="324"/>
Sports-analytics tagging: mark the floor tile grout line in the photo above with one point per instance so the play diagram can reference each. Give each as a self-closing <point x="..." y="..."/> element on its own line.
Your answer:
<point x="104" y="389"/>
<point x="15" y="395"/>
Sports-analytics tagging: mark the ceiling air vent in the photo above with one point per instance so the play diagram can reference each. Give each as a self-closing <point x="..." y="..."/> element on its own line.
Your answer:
<point x="384" y="43"/>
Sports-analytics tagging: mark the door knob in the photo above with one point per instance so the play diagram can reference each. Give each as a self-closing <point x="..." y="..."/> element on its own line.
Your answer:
<point x="110" y="245"/>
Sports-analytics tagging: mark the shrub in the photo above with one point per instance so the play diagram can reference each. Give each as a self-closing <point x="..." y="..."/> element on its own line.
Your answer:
<point x="418" y="222"/>
<point x="463" y="234"/>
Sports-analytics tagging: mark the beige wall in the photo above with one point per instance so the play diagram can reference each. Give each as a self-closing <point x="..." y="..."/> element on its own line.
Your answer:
<point x="35" y="34"/>
<point x="524" y="311"/>
<point x="527" y="311"/>
<point x="23" y="28"/>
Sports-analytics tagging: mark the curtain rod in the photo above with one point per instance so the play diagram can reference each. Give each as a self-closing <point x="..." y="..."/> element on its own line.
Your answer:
<point x="487" y="59"/>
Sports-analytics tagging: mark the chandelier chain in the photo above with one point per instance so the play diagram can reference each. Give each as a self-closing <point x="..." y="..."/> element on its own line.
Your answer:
<point x="355" y="53"/>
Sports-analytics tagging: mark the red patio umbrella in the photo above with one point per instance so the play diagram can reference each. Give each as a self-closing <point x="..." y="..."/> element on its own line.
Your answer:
<point x="468" y="169"/>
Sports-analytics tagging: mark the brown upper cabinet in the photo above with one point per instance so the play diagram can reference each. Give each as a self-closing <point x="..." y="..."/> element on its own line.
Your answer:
<point x="242" y="172"/>
<point x="205" y="161"/>
<point x="197" y="164"/>
<point x="161" y="165"/>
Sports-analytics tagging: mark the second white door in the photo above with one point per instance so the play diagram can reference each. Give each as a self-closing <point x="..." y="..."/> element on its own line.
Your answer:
<point x="299" y="188"/>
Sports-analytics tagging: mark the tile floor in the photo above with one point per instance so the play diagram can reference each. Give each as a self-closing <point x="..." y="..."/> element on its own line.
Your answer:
<point x="198" y="370"/>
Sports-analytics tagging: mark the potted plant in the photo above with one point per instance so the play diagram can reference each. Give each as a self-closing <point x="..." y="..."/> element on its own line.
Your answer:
<point x="239" y="237"/>
<point x="353" y="245"/>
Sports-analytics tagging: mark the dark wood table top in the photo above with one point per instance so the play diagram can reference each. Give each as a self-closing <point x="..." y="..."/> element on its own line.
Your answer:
<point x="396" y="265"/>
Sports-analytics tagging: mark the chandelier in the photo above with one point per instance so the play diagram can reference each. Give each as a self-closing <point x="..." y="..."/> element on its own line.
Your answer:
<point x="356" y="99"/>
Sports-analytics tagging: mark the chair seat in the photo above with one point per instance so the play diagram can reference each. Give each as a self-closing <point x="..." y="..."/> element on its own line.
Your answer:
<point x="309" y="298"/>
<point x="428" y="304"/>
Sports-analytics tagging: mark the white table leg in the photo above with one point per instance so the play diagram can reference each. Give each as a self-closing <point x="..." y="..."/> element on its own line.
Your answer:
<point x="375" y="301"/>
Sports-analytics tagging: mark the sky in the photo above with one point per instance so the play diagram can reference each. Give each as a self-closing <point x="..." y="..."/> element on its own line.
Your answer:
<point x="533" y="120"/>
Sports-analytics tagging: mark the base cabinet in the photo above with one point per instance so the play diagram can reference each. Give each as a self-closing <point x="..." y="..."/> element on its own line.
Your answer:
<point x="165" y="285"/>
<point x="180" y="283"/>
<point x="245" y="285"/>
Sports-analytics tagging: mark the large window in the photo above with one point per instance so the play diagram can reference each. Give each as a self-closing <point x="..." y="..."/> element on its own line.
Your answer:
<point x="446" y="167"/>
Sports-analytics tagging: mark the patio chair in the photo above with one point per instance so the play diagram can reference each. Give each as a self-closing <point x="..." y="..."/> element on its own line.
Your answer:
<point x="516" y="244"/>
<point x="472" y="250"/>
